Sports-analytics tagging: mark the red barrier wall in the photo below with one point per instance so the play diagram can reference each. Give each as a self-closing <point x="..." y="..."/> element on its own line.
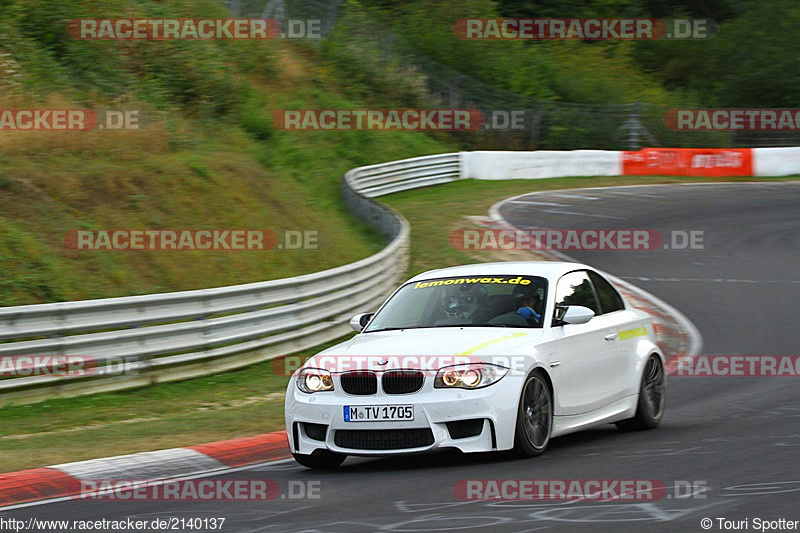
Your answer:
<point x="688" y="162"/>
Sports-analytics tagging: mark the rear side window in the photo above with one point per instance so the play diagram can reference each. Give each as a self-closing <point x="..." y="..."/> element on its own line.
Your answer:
<point x="610" y="300"/>
<point x="576" y="288"/>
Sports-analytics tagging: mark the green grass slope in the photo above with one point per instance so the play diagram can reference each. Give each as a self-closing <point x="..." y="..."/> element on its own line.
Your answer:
<point x="206" y="155"/>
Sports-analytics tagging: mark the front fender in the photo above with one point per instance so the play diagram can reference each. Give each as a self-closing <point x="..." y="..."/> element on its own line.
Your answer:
<point x="646" y="347"/>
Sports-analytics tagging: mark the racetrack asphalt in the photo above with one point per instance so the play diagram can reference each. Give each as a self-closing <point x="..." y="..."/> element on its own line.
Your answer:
<point x="736" y="439"/>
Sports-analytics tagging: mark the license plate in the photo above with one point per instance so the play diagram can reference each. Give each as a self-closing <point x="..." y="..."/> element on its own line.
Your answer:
<point x="378" y="413"/>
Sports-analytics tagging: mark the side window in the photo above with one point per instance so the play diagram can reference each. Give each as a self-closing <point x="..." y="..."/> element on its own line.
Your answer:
<point x="610" y="300"/>
<point x="576" y="288"/>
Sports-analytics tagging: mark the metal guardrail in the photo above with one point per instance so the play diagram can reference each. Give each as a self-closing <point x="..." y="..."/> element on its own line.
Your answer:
<point x="387" y="178"/>
<point x="141" y="340"/>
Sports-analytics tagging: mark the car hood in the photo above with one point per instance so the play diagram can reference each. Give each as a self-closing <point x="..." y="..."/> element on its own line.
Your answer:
<point x="425" y="348"/>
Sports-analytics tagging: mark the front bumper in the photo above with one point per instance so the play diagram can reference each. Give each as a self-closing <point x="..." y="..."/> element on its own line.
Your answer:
<point x="495" y="405"/>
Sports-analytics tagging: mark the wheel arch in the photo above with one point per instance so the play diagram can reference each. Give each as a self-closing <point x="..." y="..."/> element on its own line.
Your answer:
<point x="547" y="378"/>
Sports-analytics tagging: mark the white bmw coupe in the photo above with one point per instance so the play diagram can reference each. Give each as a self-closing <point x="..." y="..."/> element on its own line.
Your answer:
<point x="486" y="357"/>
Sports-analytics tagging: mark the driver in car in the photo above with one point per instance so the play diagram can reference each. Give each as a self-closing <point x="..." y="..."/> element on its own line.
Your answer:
<point x="527" y="308"/>
<point x="460" y="303"/>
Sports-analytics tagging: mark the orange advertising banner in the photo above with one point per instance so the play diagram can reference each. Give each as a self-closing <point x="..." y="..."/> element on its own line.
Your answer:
<point x="688" y="162"/>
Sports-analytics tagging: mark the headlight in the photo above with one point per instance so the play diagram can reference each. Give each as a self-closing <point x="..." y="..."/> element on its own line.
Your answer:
<point x="314" y="380"/>
<point x="471" y="376"/>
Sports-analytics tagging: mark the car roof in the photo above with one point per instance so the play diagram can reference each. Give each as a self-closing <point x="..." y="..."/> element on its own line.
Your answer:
<point x="546" y="269"/>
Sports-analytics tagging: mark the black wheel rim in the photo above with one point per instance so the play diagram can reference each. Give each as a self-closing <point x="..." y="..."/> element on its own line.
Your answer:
<point x="536" y="411"/>
<point x="653" y="387"/>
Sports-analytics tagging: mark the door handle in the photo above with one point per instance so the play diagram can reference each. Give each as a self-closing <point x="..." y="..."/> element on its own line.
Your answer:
<point x="611" y="336"/>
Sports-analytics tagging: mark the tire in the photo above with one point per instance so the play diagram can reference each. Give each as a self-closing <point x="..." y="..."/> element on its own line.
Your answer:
<point x="534" y="417"/>
<point x="325" y="460"/>
<point x="652" y="398"/>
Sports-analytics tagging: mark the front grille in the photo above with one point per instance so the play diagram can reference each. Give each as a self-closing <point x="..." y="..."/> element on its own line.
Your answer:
<point x="383" y="439"/>
<point x="402" y="381"/>
<point x="360" y="383"/>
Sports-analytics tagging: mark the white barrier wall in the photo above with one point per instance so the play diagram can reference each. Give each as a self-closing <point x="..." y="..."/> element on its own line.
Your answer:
<point x="540" y="164"/>
<point x="502" y="165"/>
<point x="776" y="161"/>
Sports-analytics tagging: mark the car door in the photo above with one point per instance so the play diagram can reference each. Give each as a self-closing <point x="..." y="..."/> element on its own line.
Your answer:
<point x="588" y="353"/>
<point x="617" y="318"/>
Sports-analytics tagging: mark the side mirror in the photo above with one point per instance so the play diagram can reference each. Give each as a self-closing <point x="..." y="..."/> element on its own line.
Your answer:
<point x="576" y="314"/>
<point x="360" y="321"/>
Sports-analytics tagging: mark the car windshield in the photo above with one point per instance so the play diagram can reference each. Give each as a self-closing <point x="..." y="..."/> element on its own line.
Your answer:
<point x="489" y="301"/>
